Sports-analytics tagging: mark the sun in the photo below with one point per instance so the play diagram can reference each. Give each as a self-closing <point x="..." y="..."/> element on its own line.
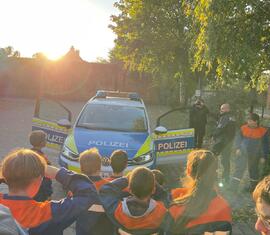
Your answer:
<point x="54" y="55"/>
<point x="53" y="26"/>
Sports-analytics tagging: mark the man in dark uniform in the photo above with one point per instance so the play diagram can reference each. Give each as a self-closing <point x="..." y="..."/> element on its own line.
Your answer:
<point x="223" y="138"/>
<point x="197" y="120"/>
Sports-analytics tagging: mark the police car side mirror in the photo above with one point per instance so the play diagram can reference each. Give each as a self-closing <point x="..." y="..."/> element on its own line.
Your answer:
<point x="160" y="130"/>
<point x="64" y="123"/>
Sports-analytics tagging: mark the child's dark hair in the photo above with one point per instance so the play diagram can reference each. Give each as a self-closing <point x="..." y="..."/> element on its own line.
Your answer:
<point x="142" y="182"/>
<point x="159" y="176"/>
<point x="119" y="160"/>
<point x="254" y="117"/>
<point x="90" y="161"/>
<point x="22" y="166"/>
<point x="37" y="137"/>
<point x="201" y="178"/>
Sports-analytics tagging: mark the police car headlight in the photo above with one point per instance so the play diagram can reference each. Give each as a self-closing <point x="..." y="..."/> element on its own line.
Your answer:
<point x="68" y="153"/>
<point x="142" y="159"/>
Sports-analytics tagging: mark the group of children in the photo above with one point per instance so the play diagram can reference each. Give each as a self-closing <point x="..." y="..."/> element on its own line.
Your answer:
<point x="133" y="204"/>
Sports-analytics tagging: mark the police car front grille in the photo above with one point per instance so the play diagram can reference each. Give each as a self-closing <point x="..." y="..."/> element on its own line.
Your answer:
<point x="130" y="162"/>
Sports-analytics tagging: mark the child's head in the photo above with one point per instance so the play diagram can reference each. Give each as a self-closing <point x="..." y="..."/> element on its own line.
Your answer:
<point x="38" y="139"/>
<point x="23" y="170"/>
<point x="90" y="162"/>
<point x="159" y="176"/>
<point x="253" y="120"/>
<point x="119" y="161"/>
<point x="201" y="180"/>
<point x="261" y="196"/>
<point x="202" y="166"/>
<point x="142" y="183"/>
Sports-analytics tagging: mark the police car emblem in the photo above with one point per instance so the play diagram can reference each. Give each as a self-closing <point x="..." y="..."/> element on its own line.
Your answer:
<point x="105" y="161"/>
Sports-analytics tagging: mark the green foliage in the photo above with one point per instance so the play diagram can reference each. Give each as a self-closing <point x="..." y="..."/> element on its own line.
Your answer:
<point x="8" y="52"/>
<point x="179" y="41"/>
<point x="233" y="39"/>
<point x="151" y="37"/>
<point x="39" y="56"/>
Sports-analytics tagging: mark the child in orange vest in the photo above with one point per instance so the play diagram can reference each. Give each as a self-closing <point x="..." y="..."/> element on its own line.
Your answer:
<point x="93" y="221"/>
<point x="23" y="171"/>
<point x="252" y="146"/>
<point x="198" y="208"/>
<point x="138" y="213"/>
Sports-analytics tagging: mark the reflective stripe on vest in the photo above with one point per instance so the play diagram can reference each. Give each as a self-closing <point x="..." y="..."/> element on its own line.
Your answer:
<point x="218" y="210"/>
<point x="28" y="213"/>
<point x="149" y="221"/>
<point x="253" y="133"/>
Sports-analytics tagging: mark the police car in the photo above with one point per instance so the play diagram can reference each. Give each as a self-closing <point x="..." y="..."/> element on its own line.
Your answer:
<point x="110" y="121"/>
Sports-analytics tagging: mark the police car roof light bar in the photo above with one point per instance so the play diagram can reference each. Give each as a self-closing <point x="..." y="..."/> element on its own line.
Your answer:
<point x="130" y="95"/>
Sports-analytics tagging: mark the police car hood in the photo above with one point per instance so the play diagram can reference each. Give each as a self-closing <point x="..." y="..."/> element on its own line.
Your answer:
<point x="108" y="141"/>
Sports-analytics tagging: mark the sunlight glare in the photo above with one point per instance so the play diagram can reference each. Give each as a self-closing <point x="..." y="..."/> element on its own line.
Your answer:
<point x="52" y="27"/>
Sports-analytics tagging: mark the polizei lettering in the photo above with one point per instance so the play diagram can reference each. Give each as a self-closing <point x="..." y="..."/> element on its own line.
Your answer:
<point x="170" y="146"/>
<point x="114" y="144"/>
<point x="55" y="138"/>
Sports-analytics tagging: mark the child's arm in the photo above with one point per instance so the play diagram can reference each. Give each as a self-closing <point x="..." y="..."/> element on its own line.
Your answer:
<point x="65" y="211"/>
<point x="161" y="195"/>
<point x="110" y="194"/>
<point x="51" y="172"/>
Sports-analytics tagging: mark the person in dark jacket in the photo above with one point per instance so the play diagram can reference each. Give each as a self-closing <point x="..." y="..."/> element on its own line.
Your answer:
<point x="252" y="146"/>
<point x="223" y="139"/>
<point x="198" y="120"/>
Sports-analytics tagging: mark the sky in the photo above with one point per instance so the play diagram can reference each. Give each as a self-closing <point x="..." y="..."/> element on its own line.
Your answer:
<point x="53" y="26"/>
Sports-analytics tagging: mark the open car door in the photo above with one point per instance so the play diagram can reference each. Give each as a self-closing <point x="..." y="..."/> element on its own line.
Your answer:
<point x="173" y="139"/>
<point x="54" y="119"/>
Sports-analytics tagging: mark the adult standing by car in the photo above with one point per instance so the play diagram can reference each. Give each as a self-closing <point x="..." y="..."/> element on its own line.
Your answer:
<point x="198" y="120"/>
<point x="223" y="138"/>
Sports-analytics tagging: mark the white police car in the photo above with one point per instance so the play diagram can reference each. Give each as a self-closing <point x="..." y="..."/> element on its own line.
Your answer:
<point x="110" y="121"/>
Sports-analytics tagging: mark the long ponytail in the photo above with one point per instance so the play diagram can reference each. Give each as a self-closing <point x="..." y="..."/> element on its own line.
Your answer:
<point x="202" y="175"/>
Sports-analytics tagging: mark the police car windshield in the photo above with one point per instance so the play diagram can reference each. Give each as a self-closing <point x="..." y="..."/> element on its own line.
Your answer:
<point x="113" y="117"/>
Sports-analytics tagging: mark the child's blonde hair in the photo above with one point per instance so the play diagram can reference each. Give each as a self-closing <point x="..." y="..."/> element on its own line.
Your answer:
<point x="90" y="161"/>
<point x="22" y="166"/>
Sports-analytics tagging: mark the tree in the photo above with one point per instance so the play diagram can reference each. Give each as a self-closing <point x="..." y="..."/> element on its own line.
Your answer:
<point x="102" y="60"/>
<point x="39" y="56"/>
<point x="151" y="38"/>
<point x="8" y="52"/>
<point x="232" y="40"/>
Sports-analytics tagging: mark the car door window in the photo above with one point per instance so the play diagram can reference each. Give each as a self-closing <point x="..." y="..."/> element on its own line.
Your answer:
<point x="52" y="111"/>
<point x="175" y="119"/>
